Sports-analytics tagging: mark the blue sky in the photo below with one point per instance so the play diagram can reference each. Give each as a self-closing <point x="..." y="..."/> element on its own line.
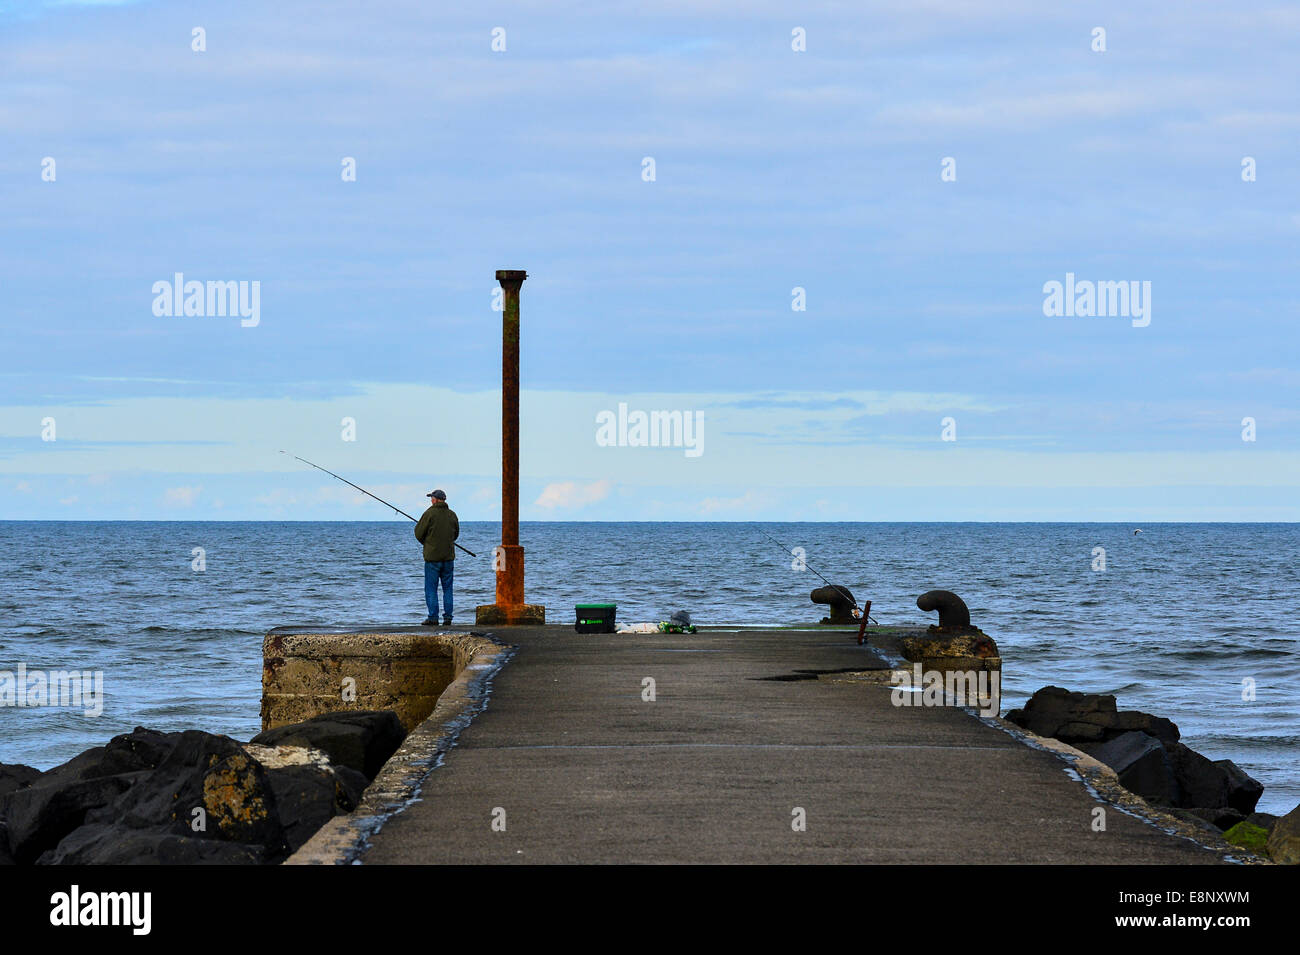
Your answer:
<point x="774" y="169"/>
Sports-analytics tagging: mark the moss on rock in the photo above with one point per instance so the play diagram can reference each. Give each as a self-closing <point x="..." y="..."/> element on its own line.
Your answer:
<point x="1248" y="836"/>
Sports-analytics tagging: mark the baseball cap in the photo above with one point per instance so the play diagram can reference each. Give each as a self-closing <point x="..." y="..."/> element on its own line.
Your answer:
<point x="439" y="495"/>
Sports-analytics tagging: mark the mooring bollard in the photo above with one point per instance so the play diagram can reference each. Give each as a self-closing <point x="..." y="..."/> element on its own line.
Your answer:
<point x="840" y="599"/>
<point x="954" y="648"/>
<point x="953" y="612"/>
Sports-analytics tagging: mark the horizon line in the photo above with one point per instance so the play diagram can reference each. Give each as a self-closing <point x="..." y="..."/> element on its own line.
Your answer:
<point x="136" y="520"/>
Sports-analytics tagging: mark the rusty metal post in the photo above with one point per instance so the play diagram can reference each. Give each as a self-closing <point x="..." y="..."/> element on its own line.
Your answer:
<point x="510" y="579"/>
<point x="509" y="559"/>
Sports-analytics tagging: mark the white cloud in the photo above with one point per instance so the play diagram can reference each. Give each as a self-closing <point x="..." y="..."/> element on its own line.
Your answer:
<point x="748" y="503"/>
<point x="569" y="494"/>
<point x="181" y="496"/>
<point x="404" y="496"/>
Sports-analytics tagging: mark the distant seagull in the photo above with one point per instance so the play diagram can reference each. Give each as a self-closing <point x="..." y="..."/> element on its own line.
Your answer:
<point x="1138" y="531"/>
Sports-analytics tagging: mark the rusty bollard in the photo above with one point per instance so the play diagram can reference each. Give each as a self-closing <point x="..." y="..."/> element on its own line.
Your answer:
<point x="953" y="646"/>
<point x="840" y="599"/>
<point x="954" y="615"/>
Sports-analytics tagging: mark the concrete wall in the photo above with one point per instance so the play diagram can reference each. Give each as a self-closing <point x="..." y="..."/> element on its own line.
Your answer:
<point x="341" y="840"/>
<point x="308" y="672"/>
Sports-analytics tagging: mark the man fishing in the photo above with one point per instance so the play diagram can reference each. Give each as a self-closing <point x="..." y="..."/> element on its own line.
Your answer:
<point x="437" y="529"/>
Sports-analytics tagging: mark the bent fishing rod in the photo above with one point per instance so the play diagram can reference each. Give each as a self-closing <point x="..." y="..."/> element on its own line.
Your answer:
<point x="378" y="498"/>
<point x="866" y="617"/>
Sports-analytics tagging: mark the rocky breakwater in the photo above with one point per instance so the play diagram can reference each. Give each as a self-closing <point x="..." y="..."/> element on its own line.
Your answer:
<point x="1150" y="761"/>
<point x="194" y="797"/>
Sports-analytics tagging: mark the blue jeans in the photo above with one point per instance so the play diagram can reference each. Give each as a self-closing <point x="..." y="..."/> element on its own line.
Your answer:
<point x="434" y="571"/>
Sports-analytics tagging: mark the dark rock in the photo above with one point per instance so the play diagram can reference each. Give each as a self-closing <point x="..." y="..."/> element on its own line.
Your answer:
<point x="362" y="740"/>
<point x="308" y="790"/>
<point x="353" y="785"/>
<point x="1127" y="721"/>
<point x="1092" y="722"/>
<point x="119" y="845"/>
<point x="192" y="797"/>
<point x="84" y="765"/>
<point x="16" y="776"/>
<point x="1052" y="709"/>
<point x="1284" y="840"/>
<point x="1212" y="784"/>
<point x="1243" y="789"/>
<point x="1225" y="819"/>
<point x="147" y="780"/>
<point x="39" y="816"/>
<point x="1196" y="818"/>
<point x="167" y="796"/>
<point x="1086" y="717"/>
<point x="129" y="752"/>
<point x="953" y="612"/>
<point x="1142" y="765"/>
<point x="839" y="599"/>
<point x="1215" y="793"/>
<point x="1220" y="817"/>
<point x="140" y="749"/>
<point x="1080" y="733"/>
<point x="208" y="772"/>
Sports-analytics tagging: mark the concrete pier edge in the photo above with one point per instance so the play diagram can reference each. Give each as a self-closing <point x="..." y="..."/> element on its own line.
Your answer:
<point x="1099" y="779"/>
<point x="343" y="839"/>
<point x="1103" y="784"/>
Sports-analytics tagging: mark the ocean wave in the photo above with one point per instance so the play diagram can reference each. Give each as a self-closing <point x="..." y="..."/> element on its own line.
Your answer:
<point x="1227" y="653"/>
<point x="202" y="632"/>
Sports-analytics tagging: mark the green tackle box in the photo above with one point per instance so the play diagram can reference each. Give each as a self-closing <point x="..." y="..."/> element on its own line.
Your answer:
<point x="595" y="618"/>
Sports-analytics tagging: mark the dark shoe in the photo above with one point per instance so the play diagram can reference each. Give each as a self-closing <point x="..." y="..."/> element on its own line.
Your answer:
<point x="446" y="621"/>
<point x="430" y="622"/>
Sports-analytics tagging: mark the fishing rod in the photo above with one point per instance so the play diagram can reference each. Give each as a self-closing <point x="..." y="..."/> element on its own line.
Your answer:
<point x="836" y="587"/>
<point x="377" y="497"/>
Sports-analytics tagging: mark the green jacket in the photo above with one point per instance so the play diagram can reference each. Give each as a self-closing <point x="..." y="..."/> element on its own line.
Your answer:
<point x="437" y="528"/>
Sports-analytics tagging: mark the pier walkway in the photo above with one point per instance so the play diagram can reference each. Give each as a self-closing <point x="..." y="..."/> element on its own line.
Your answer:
<point x="582" y="769"/>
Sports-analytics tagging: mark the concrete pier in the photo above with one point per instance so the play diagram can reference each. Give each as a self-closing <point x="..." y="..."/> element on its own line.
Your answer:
<point x="736" y="746"/>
